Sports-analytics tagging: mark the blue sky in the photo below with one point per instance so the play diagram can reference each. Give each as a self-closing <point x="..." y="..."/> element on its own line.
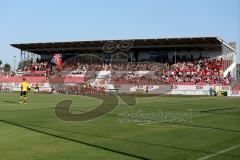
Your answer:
<point x="23" y="21"/>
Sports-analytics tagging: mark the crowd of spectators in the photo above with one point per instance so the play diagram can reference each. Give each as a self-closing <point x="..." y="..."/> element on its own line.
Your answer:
<point x="198" y="72"/>
<point x="37" y="68"/>
<point x="112" y="67"/>
<point x="202" y="71"/>
<point x="82" y="90"/>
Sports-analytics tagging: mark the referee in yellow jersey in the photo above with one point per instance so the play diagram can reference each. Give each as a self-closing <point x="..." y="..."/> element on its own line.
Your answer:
<point x="24" y="89"/>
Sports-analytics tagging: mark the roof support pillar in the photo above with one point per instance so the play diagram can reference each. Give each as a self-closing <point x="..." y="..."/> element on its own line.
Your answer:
<point x="21" y="55"/>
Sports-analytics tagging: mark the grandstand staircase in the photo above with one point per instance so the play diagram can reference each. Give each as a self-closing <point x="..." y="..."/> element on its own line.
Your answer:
<point x="100" y="78"/>
<point x="237" y="87"/>
<point x="229" y="69"/>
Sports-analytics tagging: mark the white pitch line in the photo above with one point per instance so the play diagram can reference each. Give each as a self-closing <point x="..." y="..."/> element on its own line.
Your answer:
<point x="220" y="152"/>
<point x="229" y="111"/>
<point x="146" y="123"/>
<point x="201" y="115"/>
<point x="22" y="109"/>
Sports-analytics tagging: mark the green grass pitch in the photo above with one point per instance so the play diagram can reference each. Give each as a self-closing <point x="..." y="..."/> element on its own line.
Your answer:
<point x="33" y="132"/>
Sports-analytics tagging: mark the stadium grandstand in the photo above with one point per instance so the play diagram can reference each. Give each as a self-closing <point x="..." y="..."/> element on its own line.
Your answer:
<point x="192" y="66"/>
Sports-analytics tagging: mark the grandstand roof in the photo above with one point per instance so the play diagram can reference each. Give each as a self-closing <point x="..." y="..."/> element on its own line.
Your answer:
<point x="53" y="47"/>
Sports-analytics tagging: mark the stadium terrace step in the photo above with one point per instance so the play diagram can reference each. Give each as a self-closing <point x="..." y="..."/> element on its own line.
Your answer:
<point x="68" y="79"/>
<point x="18" y="79"/>
<point x="237" y="87"/>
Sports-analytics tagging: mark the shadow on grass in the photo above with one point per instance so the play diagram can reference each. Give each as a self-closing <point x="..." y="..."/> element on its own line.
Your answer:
<point x="32" y="128"/>
<point x="11" y="102"/>
<point x="75" y="140"/>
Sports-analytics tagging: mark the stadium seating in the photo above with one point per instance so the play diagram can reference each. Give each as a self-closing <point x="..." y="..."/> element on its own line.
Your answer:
<point x="196" y="72"/>
<point x="18" y="79"/>
<point x="237" y="87"/>
<point x="68" y="79"/>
